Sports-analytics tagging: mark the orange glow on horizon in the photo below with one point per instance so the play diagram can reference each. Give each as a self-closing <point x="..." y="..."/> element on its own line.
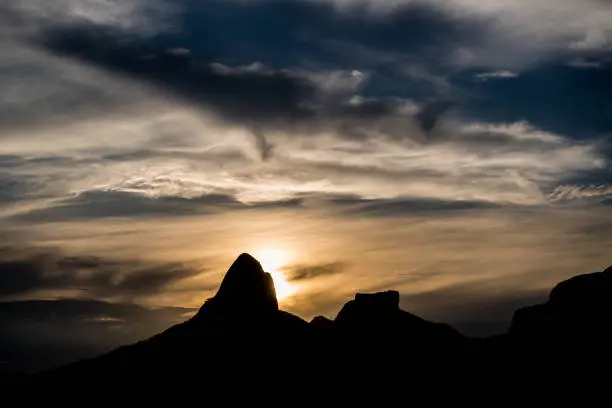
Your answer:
<point x="273" y="260"/>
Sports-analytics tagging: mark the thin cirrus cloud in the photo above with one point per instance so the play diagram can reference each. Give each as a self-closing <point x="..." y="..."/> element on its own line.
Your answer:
<point x="499" y="164"/>
<point x="572" y="192"/>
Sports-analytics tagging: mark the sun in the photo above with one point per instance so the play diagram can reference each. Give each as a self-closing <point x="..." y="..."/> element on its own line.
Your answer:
<point x="273" y="260"/>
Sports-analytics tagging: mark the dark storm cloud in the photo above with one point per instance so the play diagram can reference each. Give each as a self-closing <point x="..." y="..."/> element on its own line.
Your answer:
<point x="251" y="94"/>
<point x="39" y="334"/>
<point x="245" y="95"/>
<point x="305" y="272"/>
<point x="23" y="271"/>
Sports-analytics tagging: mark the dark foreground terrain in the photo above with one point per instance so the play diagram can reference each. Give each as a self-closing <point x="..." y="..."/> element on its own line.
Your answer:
<point x="240" y="341"/>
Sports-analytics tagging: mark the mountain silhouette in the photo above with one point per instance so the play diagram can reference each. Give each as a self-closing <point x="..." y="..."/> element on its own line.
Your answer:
<point x="578" y="312"/>
<point x="246" y="288"/>
<point x="233" y="335"/>
<point x="240" y="338"/>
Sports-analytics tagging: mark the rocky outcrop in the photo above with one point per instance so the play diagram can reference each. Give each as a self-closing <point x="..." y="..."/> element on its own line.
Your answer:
<point x="578" y="311"/>
<point x="371" y="308"/>
<point x="379" y="315"/>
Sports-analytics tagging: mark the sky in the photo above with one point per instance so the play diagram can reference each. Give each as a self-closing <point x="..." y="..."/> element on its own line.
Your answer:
<point x="458" y="151"/>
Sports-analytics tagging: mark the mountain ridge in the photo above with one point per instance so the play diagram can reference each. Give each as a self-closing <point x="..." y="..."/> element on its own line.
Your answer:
<point x="242" y="330"/>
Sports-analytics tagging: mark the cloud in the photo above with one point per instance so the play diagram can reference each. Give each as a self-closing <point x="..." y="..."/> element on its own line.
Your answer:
<point x="102" y="204"/>
<point x="13" y="189"/>
<point x="28" y="271"/>
<point x="276" y="105"/>
<point x="167" y="154"/>
<point x="193" y="173"/>
<point x="133" y="16"/>
<point x="248" y="95"/>
<point x="255" y="96"/>
<point x="306" y="272"/>
<point x="496" y="75"/>
<point x="313" y="132"/>
<point x="506" y="27"/>
<point x="43" y="90"/>
<point x="573" y="192"/>
<point x="429" y="115"/>
<point x="138" y="117"/>
<point x="264" y="147"/>
<point x="401" y="206"/>
<point x="585" y="64"/>
<point x="105" y="204"/>
<point x="32" y="77"/>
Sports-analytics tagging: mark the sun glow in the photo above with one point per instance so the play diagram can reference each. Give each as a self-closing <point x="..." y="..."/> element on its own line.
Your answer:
<point x="273" y="261"/>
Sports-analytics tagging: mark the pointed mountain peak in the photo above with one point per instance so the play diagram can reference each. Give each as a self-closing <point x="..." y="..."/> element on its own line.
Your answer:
<point x="246" y="261"/>
<point x="246" y="288"/>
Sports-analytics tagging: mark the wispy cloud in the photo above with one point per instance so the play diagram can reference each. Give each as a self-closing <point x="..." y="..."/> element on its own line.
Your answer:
<point x="585" y="64"/>
<point x="146" y="17"/>
<point x="496" y="75"/>
<point x="571" y="192"/>
<point x="512" y="163"/>
<point x="307" y="272"/>
<point x="38" y="271"/>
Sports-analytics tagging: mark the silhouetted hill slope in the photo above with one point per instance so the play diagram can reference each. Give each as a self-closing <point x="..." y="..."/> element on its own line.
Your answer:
<point x="578" y="312"/>
<point x="240" y="326"/>
<point x="240" y="337"/>
<point x="379" y="314"/>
